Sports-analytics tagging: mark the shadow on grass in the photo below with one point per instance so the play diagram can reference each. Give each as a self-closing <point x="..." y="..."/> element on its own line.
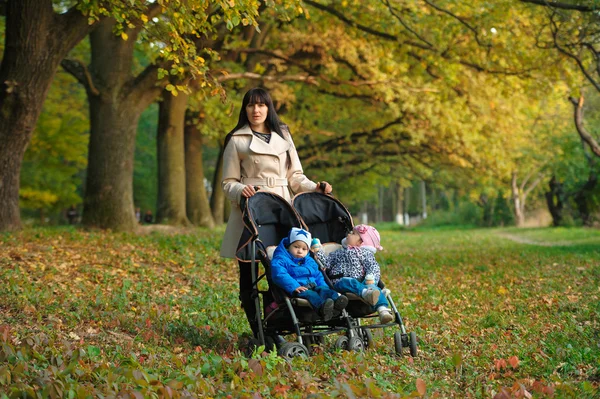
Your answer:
<point x="203" y="336"/>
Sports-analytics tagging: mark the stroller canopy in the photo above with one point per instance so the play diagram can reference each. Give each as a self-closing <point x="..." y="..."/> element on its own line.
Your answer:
<point x="325" y="216"/>
<point x="267" y="218"/>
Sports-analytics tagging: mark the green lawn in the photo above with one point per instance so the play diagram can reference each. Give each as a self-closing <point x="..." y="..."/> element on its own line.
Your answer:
<point x="99" y="314"/>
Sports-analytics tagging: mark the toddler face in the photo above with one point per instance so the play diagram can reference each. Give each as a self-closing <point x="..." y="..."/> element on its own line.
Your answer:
<point x="353" y="239"/>
<point x="298" y="249"/>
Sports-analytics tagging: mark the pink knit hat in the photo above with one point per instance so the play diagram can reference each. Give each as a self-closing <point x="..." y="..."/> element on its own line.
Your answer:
<point x="369" y="236"/>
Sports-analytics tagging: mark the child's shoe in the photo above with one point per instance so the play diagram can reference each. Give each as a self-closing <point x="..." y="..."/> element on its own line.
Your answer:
<point x="385" y="315"/>
<point x="326" y="311"/>
<point x="340" y="303"/>
<point x="370" y="296"/>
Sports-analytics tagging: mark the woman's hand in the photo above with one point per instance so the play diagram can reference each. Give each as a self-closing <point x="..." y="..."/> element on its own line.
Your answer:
<point x="324" y="187"/>
<point x="248" y="191"/>
<point x="300" y="289"/>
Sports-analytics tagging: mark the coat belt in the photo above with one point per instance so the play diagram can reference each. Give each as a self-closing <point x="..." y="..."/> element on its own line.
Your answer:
<point x="269" y="182"/>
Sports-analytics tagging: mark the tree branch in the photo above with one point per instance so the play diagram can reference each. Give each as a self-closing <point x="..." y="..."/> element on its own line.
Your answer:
<point x="73" y="26"/>
<point x="81" y="73"/>
<point x="334" y="142"/>
<point x="461" y="20"/>
<point x="589" y="77"/>
<point x="145" y="87"/>
<point x="408" y="28"/>
<point x="250" y="75"/>
<point x="583" y="133"/>
<point x="533" y="185"/>
<point x="563" y="6"/>
<point x="348" y="21"/>
<point x="396" y="39"/>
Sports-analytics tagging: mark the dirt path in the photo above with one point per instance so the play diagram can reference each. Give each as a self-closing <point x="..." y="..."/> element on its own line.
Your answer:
<point x="523" y="240"/>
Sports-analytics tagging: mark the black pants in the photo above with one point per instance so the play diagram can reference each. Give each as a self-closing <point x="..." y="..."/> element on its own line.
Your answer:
<point x="248" y="294"/>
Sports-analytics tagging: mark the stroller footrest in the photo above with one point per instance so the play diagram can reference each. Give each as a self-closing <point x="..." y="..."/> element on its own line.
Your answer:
<point x="353" y="297"/>
<point x="300" y="302"/>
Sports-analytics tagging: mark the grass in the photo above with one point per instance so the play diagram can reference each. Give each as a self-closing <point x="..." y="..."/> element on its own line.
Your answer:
<point x="92" y="314"/>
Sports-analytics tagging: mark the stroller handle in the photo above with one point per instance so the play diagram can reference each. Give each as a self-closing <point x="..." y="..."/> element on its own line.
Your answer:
<point x="322" y="185"/>
<point x="244" y="199"/>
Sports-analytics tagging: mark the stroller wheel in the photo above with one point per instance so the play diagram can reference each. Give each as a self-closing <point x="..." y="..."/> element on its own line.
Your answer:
<point x="367" y="337"/>
<point x="356" y="344"/>
<point x="290" y="350"/>
<point x="413" y="344"/>
<point x="341" y="343"/>
<point x="398" y="343"/>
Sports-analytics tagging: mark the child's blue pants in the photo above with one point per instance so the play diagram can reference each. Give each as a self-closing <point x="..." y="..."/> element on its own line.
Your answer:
<point x="348" y="284"/>
<point x="318" y="295"/>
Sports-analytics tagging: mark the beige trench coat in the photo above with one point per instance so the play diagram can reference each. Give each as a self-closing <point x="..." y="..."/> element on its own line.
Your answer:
<point x="249" y="160"/>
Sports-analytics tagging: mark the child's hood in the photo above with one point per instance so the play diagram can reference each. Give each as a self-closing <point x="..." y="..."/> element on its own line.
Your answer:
<point x="281" y="250"/>
<point x="367" y="247"/>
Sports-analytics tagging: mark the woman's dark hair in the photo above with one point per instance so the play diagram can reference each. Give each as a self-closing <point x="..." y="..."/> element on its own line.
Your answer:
<point x="258" y="95"/>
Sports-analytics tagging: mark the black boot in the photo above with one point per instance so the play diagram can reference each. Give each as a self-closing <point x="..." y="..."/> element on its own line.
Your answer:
<point x="249" y="306"/>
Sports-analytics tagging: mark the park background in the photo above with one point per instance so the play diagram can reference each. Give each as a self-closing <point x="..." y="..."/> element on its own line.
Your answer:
<point x="456" y="127"/>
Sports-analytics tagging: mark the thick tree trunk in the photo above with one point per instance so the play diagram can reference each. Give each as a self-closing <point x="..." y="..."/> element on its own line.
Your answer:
<point x="116" y="102"/>
<point x="108" y="199"/>
<point x="171" y="160"/>
<point x="583" y="198"/>
<point x="197" y="204"/>
<point x="217" y="200"/>
<point x="554" y="199"/>
<point x="517" y="202"/>
<point x="36" y="41"/>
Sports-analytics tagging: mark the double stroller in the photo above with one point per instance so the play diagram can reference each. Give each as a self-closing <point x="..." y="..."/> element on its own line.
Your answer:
<point x="267" y="220"/>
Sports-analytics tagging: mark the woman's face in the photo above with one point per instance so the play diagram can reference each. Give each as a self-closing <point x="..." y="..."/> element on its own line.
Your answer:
<point x="353" y="239"/>
<point x="257" y="113"/>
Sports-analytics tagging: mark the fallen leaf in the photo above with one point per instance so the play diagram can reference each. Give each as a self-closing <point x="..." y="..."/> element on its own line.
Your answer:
<point x="421" y="388"/>
<point x="255" y="366"/>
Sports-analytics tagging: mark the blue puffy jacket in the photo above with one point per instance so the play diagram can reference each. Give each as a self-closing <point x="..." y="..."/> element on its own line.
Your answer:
<point x="290" y="273"/>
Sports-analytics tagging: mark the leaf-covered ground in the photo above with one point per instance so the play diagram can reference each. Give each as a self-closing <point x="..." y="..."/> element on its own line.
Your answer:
<point x="93" y="314"/>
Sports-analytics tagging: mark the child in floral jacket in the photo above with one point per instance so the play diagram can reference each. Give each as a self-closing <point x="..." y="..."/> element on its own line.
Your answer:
<point x="349" y="265"/>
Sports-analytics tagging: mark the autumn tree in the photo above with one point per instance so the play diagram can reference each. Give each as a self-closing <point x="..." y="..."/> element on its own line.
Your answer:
<point x="38" y="37"/>
<point x="117" y="94"/>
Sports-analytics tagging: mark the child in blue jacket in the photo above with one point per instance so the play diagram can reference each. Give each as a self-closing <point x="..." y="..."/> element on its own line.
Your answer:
<point x="299" y="275"/>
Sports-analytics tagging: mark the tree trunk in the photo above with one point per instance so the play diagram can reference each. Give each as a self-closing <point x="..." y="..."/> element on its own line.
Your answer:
<point x="583" y="196"/>
<point x="217" y="199"/>
<point x="554" y="199"/>
<point x="198" y="206"/>
<point x="517" y="201"/>
<point x="423" y="200"/>
<point x="36" y="41"/>
<point x="488" y="209"/>
<point x="171" y="160"/>
<point x="116" y="102"/>
<point x="108" y="201"/>
<point x="399" y="204"/>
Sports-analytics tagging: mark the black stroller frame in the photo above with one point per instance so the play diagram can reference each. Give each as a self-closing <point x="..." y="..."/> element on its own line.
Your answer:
<point x="328" y="219"/>
<point x="267" y="219"/>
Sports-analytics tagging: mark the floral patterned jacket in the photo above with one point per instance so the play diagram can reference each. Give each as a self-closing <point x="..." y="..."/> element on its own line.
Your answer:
<point x="355" y="262"/>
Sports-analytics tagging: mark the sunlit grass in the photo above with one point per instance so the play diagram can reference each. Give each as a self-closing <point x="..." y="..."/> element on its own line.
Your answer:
<point x="159" y="312"/>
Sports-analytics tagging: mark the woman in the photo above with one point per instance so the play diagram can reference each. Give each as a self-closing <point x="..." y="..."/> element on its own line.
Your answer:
<point x="259" y="152"/>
